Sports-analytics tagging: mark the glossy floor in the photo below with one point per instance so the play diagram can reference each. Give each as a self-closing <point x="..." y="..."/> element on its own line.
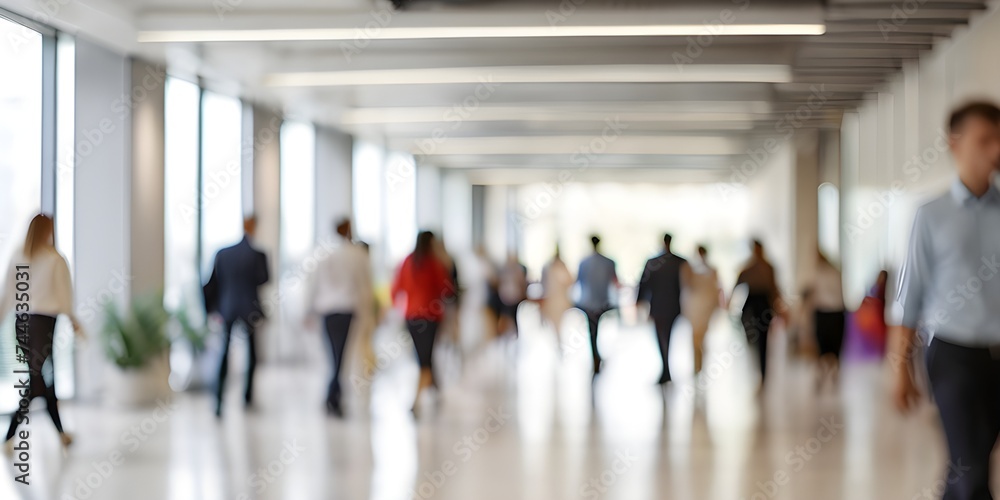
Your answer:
<point x="515" y="421"/>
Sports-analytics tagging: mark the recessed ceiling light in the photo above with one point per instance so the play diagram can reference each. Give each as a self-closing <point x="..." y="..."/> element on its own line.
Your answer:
<point x="445" y="32"/>
<point x="625" y="73"/>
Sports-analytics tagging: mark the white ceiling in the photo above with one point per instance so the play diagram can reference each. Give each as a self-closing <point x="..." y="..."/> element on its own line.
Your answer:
<point x="690" y="130"/>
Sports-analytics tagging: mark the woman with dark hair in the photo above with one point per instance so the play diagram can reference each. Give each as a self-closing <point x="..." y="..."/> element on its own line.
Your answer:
<point x="422" y="288"/>
<point x="48" y="293"/>
<point x="827" y="300"/>
<point x="762" y="304"/>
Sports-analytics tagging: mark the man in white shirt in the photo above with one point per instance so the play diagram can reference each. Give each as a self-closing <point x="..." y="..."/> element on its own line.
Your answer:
<point x="341" y="290"/>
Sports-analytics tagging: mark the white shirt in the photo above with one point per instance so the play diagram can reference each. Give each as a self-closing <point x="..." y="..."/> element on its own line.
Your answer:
<point x="828" y="292"/>
<point x="49" y="287"/>
<point x="342" y="282"/>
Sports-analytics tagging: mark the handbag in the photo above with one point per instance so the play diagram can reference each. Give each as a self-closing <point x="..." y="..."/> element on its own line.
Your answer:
<point x="870" y="318"/>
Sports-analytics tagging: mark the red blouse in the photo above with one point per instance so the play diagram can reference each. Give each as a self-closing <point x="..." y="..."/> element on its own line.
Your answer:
<point x="426" y="288"/>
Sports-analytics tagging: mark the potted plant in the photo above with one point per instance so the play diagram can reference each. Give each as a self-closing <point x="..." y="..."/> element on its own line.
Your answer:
<point x="137" y="341"/>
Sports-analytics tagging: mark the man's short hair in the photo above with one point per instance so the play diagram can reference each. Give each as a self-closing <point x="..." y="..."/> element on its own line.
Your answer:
<point x="978" y="109"/>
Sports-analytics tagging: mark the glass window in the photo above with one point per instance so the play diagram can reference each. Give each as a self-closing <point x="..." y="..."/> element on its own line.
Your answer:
<point x="20" y="163"/>
<point x="65" y="196"/>
<point x="367" y="195"/>
<point x="298" y="210"/>
<point x="400" y="206"/>
<point x="828" y="225"/>
<point x="181" y="280"/>
<point x="221" y="181"/>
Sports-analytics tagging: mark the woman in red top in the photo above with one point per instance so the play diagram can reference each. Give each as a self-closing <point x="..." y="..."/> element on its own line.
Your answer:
<point x="423" y="285"/>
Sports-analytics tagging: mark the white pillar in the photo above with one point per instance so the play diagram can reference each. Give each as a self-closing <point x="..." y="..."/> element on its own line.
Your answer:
<point x="102" y="139"/>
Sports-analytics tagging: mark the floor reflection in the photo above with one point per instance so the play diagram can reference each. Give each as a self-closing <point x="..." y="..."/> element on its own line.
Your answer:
<point x="519" y="419"/>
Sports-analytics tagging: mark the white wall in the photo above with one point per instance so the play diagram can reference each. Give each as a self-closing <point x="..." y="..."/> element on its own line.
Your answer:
<point x="894" y="149"/>
<point x="102" y="270"/>
<point x="334" y="152"/>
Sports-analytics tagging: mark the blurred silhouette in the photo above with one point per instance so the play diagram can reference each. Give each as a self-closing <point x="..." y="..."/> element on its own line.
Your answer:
<point x="663" y="278"/>
<point x="948" y="289"/>
<point x="450" y="324"/>
<point x="556" y="284"/>
<point x="233" y="288"/>
<point x="596" y="277"/>
<point x="341" y="291"/>
<point x="513" y="289"/>
<point x="870" y="317"/>
<point x="701" y="301"/>
<point x="47" y="292"/>
<point x="761" y="304"/>
<point x="423" y="285"/>
<point x="827" y="300"/>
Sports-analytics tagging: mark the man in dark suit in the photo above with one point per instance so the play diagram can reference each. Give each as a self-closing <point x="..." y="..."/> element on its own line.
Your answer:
<point x="662" y="280"/>
<point x="233" y="289"/>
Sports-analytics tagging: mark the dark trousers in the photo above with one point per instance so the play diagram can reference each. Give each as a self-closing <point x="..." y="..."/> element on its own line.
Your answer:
<point x="593" y="320"/>
<point x="424" y="333"/>
<point x="37" y="348"/>
<point x="664" y="324"/>
<point x="757" y="316"/>
<point x="251" y="360"/>
<point x="965" y="383"/>
<point x="337" y="327"/>
<point x="829" y="328"/>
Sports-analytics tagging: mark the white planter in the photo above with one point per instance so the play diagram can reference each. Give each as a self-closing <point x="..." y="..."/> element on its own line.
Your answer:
<point x="139" y="387"/>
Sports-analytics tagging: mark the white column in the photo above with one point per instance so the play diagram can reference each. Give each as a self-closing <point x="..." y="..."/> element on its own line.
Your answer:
<point x="267" y="207"/>
<point x="147" y="203"/>
<point x="334" y="156"/>
<point x="103" y="135"/>
<point x="429" y="200"/>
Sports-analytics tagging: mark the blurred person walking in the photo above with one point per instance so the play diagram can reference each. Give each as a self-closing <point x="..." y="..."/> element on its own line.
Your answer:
<point x="948" y="291"/>
<point x="420" y="288"/>
<point x="47" y="293"/>
<point x="663" y="279"/>
<point x="762" y="303"/>
<point x="827" y="300"/>
<point x="341" y="291"/>
<point x="513" y="289"/>
<point x="233" y="292"/>
<point x="870" y="317"/>
<point x="556" y="284"/>
<point x="701" y="301"/>
<point x="596" y="277"/>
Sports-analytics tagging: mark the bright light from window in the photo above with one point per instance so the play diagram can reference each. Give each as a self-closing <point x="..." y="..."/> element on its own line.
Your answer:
<point x="20" y="163"/>
<point x="221" y="181"/>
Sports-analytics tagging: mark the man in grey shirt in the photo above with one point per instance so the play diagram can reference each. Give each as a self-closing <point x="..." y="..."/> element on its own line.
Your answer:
<point x="596" y="277"/>
<point x="949" y="291"/>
